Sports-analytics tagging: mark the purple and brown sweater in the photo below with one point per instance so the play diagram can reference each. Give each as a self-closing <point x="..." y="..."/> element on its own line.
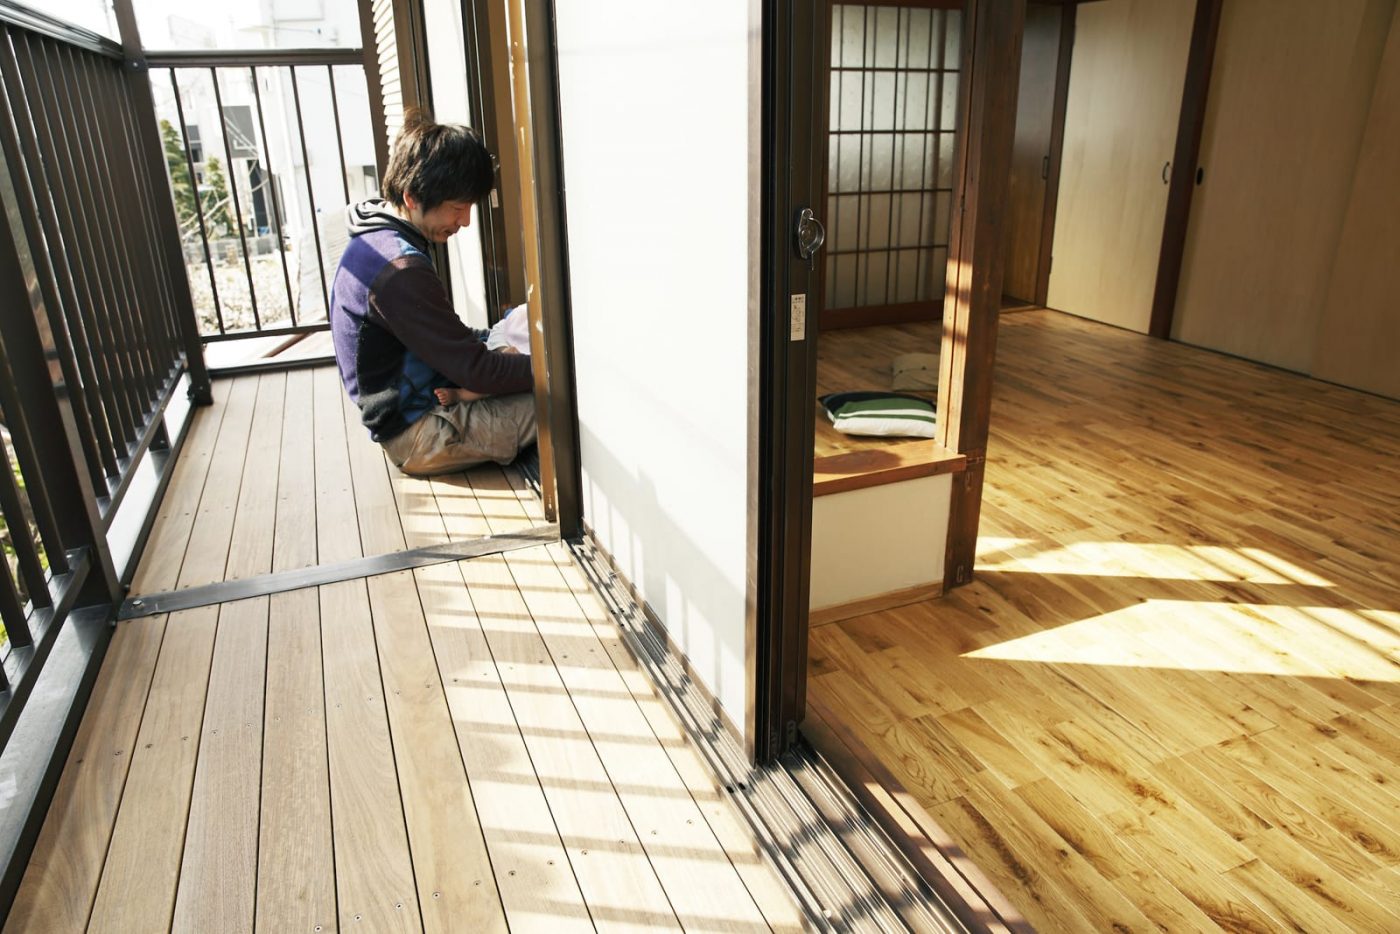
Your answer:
<point x="396" y="335"/>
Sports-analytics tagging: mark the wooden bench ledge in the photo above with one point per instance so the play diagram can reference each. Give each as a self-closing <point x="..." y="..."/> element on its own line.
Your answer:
<point x="889" y="463"/>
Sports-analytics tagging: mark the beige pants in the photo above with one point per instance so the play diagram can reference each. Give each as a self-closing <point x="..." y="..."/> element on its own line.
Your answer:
<point x="465" y="434"/>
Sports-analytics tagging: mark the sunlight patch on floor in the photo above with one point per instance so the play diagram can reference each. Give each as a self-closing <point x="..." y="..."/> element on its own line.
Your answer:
<point x="1209" y="636"/>
<point x="1155" y="561"/>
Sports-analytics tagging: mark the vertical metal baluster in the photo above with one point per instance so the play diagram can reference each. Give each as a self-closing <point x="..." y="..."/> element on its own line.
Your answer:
<point x="121" y="174"/>
<point x="88" y="409"/>
<point x="310" y="193"/>
<point x="237" y="208"/>
<point x="198" y="202"/>
<point x="26" y="551"/>
<point x="120" y="419"/>
<point x="110" y="234"/>
<point x="12" y="611"/>
<point x="339" y="139"/>
<point x="276" y="204"/>
<point x="161" y="321"/>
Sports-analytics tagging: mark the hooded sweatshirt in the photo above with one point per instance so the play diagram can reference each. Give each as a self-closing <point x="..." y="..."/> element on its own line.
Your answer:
<point x="396" y="335"/>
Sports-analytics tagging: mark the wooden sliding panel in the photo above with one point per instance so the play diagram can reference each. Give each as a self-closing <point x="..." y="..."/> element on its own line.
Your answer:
<point x="991" y="61"/>
<point x="1120" y="135"/>
<point x="1289" y="102"/>
<point x="1031" y="155"/>
<point x="1360" y="331"/>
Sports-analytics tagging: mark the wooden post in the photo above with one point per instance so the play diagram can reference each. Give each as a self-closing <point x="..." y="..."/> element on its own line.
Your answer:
<point x="991" y="70"/>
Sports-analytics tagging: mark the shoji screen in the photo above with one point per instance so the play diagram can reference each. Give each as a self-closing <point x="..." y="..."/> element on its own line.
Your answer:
<point x="894" y="90"/>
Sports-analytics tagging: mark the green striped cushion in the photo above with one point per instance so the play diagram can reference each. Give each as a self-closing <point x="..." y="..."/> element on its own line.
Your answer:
<point x="880" y="414"/>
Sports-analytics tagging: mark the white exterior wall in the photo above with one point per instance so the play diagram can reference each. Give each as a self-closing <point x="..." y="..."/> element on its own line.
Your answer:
<point x="656" y="138"/>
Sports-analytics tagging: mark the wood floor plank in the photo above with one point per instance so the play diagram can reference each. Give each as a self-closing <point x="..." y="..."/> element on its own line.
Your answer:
<point x="535" y="877"/>
<point x="61" y="880"/>
<point x="450" y="862"/>
<point x="698" y="878"/>
<point x="206" y="556"/>
<point x="337" y="525"/>
<point x="255" y="517"/>
<point x="159" y="568"/>
<point x="294" y="535"/>
<point x="613" y="871"/>
<point x="296" y="869"/>
<point x="376" y="506"/>
<point x="775" y="903"/>
<point x="373" y="869"/>
<point x="1184" y="617"/>
<point x="218" y="873"/>
<point x="137" y="891"/>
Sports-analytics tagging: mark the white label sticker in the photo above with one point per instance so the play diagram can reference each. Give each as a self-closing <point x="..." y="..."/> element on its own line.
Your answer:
<point x="799" y="317"/>
<point x="495" y="199"/>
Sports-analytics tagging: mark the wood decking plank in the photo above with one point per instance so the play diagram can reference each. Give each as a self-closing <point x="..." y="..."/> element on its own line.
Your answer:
<point x="534" y="874"/>
<point x="296" y="868"/>
<point x="294" y="535"/>
<point x="694" y="870"/>
<point x="373" y="868"/>
<point x="218" y="873"/>
<point x="450" y="861"/>
<point x="255" y="517"/>
<point x="137" y="891"/>
<point x="65" y="868"/>
<point x="337" y="525"/>
<point x="159" y="567"/>
<point x="206" y="555"/>
<point x="775" y="903"/>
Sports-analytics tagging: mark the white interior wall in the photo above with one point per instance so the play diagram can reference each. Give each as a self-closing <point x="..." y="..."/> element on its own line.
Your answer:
<point x="655" y="105"/>
<point x="447" y="71"/>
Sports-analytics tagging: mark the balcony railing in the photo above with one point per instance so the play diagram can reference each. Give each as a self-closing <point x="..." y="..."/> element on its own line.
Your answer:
<point x="104" y="315"/>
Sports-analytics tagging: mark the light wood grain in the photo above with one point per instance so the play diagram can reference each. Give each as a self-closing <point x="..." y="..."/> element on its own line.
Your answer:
<point x="159" y="567"/>
<point x="373" y="868"/>
<point x="137" y="892"/>
<point x="218" y="872"/>
<point x="1179" y="652"/>
<point x="65" y="868"/>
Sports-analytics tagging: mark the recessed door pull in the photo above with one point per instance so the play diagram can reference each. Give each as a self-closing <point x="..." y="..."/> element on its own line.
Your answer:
<point x="1166" y="168"/>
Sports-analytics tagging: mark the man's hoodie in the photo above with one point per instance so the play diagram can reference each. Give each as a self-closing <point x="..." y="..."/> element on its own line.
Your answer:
<point x="396" y="335"/>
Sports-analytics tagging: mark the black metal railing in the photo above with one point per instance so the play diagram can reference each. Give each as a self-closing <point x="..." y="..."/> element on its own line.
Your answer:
<point x="245" y="178"/>
<point x="97" y="335"/>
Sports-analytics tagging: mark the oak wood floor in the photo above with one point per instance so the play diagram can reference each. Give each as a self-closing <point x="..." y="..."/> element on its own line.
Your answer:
<point x="463" y="747"/>
<point x="1171" y="697"/>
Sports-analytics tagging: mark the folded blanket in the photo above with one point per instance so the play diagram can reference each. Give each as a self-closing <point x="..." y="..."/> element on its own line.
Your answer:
<point x="881" y="414"/>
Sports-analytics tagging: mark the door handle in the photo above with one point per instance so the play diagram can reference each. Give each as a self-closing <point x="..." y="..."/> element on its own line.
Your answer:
<point x="810" y="234"/>
<point x="1166" y="168"/>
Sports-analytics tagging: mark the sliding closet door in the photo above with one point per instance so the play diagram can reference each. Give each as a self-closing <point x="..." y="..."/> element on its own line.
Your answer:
<point x="894" y="93"/>
<point x="1289" y="100"/>
<point x="1125" y="88"/>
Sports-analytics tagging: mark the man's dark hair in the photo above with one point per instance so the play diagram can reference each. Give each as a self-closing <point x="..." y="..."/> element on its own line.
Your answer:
<point x="437" y="162"/>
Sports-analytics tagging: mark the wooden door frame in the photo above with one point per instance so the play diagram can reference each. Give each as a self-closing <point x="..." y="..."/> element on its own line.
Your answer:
<point x="1190" y="128"/>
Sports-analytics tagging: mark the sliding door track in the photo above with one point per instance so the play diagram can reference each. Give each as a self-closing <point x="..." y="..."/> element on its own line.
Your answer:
<point x="317" y="575"/>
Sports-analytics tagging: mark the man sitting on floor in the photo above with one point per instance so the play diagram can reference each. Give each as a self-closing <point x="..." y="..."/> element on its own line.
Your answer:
<point x="398" y="340"/>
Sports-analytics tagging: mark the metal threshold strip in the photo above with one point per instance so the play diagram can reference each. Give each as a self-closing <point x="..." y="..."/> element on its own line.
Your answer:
<point x="317" y="575"/>
<point x="818" y="838"/>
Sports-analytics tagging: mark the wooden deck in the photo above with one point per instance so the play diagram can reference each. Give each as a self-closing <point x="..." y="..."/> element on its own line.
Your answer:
<point x="464" y="747"/>
<point x="1171" y="697"/>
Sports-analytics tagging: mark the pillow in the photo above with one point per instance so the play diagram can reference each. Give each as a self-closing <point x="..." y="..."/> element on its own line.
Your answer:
<point x="881" y="414"/>
<point x="915" y="372"/>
